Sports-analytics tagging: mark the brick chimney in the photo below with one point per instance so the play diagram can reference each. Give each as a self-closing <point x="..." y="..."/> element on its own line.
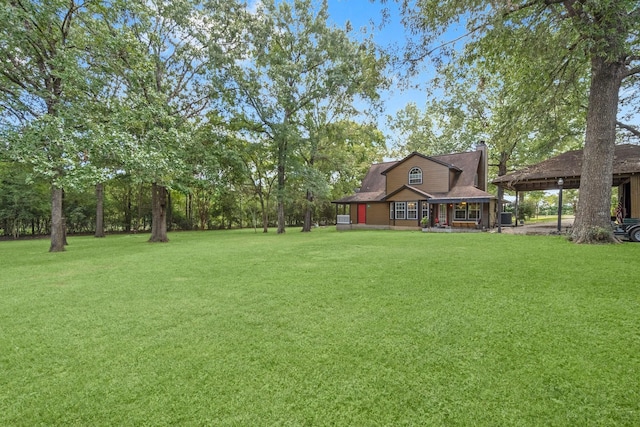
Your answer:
<point x="483" y="167"/>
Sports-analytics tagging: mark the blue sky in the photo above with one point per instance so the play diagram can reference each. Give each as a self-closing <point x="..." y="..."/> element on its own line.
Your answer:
<point x="367" y="16"/>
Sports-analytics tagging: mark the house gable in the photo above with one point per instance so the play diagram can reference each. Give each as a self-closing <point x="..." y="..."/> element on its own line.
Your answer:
<point x="407" y="192"/>
<point x="435" y="174"/>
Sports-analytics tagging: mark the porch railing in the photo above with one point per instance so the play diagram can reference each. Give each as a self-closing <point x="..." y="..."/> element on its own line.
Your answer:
<point x="343" y="219"/>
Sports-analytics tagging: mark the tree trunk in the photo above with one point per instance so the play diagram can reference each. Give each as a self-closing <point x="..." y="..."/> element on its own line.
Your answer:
<point x="158" y="213"/>
<point x="281" y="217"/>
<point x="265" y="214"/>
<point x="282" y="168"/>
<point x="189" y="210"/>
<point x="280" y="194"/>
<point x="57" y="221"/>
<point x="306" y="226"/>
<point x="593" y="219"/>
<point x="139" y="220"/>
<point x="169" y="211"/>
<point x="99" y="210"/>
<point x="128" y="217"/>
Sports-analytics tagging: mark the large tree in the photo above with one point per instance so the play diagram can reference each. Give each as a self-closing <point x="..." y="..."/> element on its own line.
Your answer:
<point x="296" y="61"/>
<point x="171" y="57"/>
<point x="600" y="34"/>
<point x="43" y="79"/>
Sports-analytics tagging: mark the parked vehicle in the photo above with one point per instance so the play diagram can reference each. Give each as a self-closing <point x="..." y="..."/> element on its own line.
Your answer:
<point x="630" y="229"/>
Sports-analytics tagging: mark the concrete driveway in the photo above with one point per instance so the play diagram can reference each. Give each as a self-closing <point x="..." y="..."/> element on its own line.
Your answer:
<point x="540" y="227"/>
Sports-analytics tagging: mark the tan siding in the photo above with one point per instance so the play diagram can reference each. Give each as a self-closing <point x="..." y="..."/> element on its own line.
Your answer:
<point x="435" y="177"/>
<point x="353" y="212"/>
<point x="635" y="197"/>
<point x="406" y="223"/>
<point x="464" y="224"/>
<point x="378" y="213"/>
<point x="406" y="196"/>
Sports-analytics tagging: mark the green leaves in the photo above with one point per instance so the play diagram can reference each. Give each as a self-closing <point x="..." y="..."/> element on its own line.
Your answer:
<point x="302" y="77"/>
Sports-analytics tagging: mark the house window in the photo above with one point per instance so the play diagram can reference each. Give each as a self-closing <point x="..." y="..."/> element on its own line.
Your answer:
<point x="401" y="210"/>
<point x="391" y="208"/>
<point x="474" y="211"/>
<point x="460" y="211"/>
<point x="415" y="176"/>
<point x="425" y="210"/>
<point x="412" y="210"/>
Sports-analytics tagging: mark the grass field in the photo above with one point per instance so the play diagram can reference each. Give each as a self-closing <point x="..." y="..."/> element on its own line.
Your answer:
<point x="362" y="328"/>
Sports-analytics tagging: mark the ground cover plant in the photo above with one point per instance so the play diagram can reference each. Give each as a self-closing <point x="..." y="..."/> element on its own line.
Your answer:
<point x="327" y="328"/>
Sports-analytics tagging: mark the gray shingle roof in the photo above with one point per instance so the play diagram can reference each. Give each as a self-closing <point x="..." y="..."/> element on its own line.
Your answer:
<point x="466" y="164"/>
<point x="544" y="175"/>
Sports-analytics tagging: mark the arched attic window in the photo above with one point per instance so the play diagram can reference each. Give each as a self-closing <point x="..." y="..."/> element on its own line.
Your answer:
<point x="415" y="176"/>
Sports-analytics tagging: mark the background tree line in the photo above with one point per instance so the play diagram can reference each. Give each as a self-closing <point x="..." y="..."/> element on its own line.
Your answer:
<point x="25" y="207"/>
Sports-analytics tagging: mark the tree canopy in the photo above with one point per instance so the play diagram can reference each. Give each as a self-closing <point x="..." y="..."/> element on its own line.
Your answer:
<point x="213" y="102"/>
<point x="301" y="70"/>
<point x="549" y="49"/>
<point x="220" y="107"/>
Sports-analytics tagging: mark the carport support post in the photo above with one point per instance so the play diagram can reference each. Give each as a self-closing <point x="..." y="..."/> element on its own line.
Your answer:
<point x="500" y="196"/>
<point x="560" y="183"/>
<point x="517" y="206"/>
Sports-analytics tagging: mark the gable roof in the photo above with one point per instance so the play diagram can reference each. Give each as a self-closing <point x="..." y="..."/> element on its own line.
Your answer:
<point x="375" y="180"/>
<point x="414" y="154"/>
<point x="410" y="188"/>
<point x="373" y="185"/>
<point x="465" y="165"/>
<point x="568" y="166"/>
<point x="468" y="193"/>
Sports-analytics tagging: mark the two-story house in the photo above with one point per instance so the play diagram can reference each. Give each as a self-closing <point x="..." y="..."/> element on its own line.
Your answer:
<point x="450" y="190"/>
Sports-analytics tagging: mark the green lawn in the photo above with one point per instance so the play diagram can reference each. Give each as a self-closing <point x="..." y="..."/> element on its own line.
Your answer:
<point x="362" y="328"/>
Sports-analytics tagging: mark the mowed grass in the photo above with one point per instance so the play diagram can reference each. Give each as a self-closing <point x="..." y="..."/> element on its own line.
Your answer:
<point x="362" y="328"/>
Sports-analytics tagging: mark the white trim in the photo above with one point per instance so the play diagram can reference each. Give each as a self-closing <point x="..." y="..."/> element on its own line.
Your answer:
<point x="477" y="211"/>
<point x="412" y="213"/>
<point x="415" y="177"/>
<point x="401" y="210"/>
<point x="442" y="213"/>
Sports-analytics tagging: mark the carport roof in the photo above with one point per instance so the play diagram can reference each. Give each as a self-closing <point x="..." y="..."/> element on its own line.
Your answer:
<point x="568" y="166"/>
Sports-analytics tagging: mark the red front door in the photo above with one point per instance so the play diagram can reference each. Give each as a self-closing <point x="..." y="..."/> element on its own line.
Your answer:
<point x="362" y="214"/>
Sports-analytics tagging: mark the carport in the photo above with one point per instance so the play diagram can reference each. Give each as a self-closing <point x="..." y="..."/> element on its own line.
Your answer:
<point x="563" y="172"/>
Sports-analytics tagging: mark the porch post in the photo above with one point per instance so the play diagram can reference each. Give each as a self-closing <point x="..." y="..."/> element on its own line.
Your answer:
<point x="560" y="183"/>
<point x="517" y="205"/>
